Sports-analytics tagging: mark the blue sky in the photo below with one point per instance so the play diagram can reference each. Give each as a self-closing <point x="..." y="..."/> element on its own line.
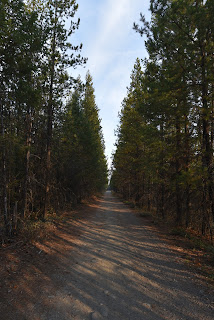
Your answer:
<point x="111" y="46"/>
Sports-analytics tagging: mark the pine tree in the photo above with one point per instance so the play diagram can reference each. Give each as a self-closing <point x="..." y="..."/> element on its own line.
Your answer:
<point x="96" y="164"/>
<point x="19" y="45"/>
<point x="83" y="170"/>
<point x="58" y="60"/>
<point x="180" y="42"/>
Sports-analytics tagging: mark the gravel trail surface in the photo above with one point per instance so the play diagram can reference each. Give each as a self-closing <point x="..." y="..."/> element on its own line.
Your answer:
<point x="111" y="265"/>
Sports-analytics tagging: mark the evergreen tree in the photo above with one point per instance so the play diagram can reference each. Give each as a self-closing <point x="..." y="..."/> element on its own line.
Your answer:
<point x="179" y="36"/>
<point x="20" y="43"/>
<point x="176" y="114"/>
<point x="84" y="170"/>
<point x="96" y="163"/>
<point x="51" y="154"/>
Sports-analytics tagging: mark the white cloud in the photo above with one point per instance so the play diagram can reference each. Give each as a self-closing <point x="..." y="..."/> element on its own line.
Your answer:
<point x="112" y="48"/>
<point x="112" y="16"/>
<point x="114" y="25"/>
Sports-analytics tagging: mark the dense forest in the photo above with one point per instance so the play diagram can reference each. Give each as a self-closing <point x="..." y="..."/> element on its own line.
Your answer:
<point x="165" y="140"/>
<point x="51" y="143"/>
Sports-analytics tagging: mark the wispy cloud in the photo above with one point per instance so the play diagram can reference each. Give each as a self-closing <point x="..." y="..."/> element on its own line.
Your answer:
<point x="111" y="36"/>
<point x="112" y="16"/>
<point x="112" y="48"/>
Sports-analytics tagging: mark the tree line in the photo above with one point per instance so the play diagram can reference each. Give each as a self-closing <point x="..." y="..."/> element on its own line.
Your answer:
<point x="164" y="151"/>
<point x="51" y="143"/>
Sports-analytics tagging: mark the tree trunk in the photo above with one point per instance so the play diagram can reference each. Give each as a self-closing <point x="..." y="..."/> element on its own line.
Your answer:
<point x="162" y="185"/>
<point x="49" y="128"/>
<point x="187" y="160"/>
<point x="206" y="142"/>
<point x="4" y="174"/>
<point x="178" y="172"/>
<point x="212" y="119"/>
<point x="27" y="174"/>
<point x="149" y="196"/>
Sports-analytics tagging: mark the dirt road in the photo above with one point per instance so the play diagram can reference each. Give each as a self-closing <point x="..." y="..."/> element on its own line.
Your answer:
<point x="109" y="264"/>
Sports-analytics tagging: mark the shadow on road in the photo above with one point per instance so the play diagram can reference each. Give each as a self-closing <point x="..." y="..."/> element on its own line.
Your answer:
<point x="105" y="264"/>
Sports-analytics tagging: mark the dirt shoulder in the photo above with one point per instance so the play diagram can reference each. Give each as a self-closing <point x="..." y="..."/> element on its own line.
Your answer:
<point x="197" y="253"/>
<point x="26" y="264"/>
